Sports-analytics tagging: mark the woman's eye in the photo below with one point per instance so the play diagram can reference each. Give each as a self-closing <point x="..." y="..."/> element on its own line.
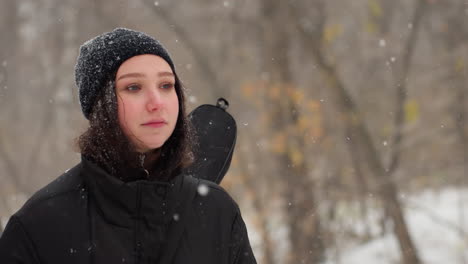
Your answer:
<point x="167" y="86"/>
<point x="133" y="87"/>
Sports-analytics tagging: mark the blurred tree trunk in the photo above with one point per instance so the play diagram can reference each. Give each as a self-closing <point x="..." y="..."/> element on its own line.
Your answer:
<point x="381" y="12"/>
<point x="462" y="129"/>
<point x="251" y="182"/>
<point x="401" y="74"/>
<point x="9" y="28"/>
<point x="303" y="218"/>
<point x="51" y="85"/>
<point x="9" y="22"/>
<point x="357" y="132"/>
<point x="455" y="41"/>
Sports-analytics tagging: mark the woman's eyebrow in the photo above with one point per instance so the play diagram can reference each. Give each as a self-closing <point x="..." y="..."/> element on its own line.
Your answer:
<point x="133" y="74"/>
<point x="161" y="74"/>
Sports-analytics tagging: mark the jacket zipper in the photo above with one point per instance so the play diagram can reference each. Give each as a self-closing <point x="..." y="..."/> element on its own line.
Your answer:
<point x="139" y="216"/>
<point x="138" y="248"/>
<point x="142" y="164"/>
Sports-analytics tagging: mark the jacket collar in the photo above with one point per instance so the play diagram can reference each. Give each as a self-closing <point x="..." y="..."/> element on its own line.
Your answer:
<point x="121" y="203"/>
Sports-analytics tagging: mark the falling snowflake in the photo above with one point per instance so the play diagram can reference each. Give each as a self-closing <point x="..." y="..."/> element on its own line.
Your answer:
<point x="382" y="43"/>
<point x="192" y="99"/>
<point x="203" y="190"/>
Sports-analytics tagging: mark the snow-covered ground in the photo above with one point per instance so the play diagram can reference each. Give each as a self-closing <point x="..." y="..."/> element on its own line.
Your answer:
<point x="437" y="225"/>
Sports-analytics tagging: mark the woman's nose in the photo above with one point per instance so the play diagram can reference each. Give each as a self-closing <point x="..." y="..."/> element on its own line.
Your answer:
<point x="154" y="101"/>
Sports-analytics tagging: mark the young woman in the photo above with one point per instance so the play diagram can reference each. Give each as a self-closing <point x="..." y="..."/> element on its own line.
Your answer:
<point x="128" y="201"/>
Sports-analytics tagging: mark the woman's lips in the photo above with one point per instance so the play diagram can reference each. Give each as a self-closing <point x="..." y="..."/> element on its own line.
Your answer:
<point x="155" y="124"/>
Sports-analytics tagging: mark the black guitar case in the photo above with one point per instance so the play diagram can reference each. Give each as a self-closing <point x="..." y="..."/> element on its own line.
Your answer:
<point x="215" y="137"/>
<point x="216" y="132"/>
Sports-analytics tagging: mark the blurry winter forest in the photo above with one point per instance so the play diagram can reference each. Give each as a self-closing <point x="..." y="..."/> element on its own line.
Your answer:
<point x="352" y="115"/>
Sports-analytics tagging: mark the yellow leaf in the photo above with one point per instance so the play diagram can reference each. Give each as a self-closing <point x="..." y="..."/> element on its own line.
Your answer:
<point x="331" y="32"/>
<point x="316" y="129"/>
<point x="278" y="144"/>
<point x="248" y="90"/>
<point x="313" y="105"/>
<point x="375" y="8"/>
<point x="411" y="110"/>
<point x="370" y="27"/>
<point x="296" y="156"/>
<point x="235" y="160"/>
<point x="460" y="65"/>
<point x="303" y="123"/>
<point x="297" y="96"/>
<point x="386" y="129"/>
<point x="355" y="118"/>
<point x="228" y="183"/>
<point x="274" y="92"/>
<point x="265" y="119"/>
<point x="314" y="125"/>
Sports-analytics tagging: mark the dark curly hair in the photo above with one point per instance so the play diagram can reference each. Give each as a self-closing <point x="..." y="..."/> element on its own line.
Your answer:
<point x="105" y="144"/>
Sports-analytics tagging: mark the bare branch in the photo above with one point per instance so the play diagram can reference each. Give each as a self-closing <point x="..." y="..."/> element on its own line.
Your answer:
<point x="360" y="142"/>
<point x="12" y="172"/>
<point x="187" y="40"/>
<point x="401" y="79"/>
<point x="49" y="109"/>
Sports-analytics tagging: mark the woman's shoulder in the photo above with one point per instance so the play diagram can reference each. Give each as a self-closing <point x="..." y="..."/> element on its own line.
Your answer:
<point x="50" y="197"/>
<point x="215" y="196"/>
<point x="53" y="215"/>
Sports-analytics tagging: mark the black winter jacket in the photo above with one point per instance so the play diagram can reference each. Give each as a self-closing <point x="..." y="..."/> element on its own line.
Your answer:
<point x="89" y="216"/>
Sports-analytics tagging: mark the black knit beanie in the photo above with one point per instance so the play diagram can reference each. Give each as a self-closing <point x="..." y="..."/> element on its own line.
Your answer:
<point x="101" y="56"/>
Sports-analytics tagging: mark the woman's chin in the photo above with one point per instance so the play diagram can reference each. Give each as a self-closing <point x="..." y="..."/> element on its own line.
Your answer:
<point x="150" y="147"/>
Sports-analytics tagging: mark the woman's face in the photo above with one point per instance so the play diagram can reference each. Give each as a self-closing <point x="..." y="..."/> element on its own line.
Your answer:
<point x="147" y="101"/>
